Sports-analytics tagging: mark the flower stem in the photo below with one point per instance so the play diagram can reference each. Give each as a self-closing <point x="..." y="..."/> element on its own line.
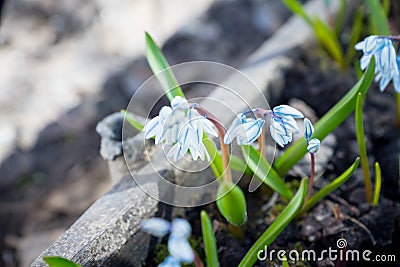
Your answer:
<point x="197" y="261"/>
<point x="221" y="133"/>
<point x="261" y="142"/>
<point x="311" y="182"/>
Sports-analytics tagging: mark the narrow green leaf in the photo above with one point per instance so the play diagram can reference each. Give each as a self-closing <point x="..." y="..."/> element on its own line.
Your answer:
<point x="264" y="172"/>
<point x="232" y="203"/>
<point x="378" y="183"/>
<point x="216" y="164"/>
<point x="386" y="7"/>
<point x="285" y="262"/>
<point x="297" y="8"/>
<point x="55" y="261"/>
<point x="237" y="164"/>
<point x="330" y="187"/>
<point x="210" y="243"/>
<point x="329" y="40"/>
<point x="280" y="223"/>
<point x="340" y="17"/>
<point x="132" y="121"/>
<point x="329" y="122"/>
<point x="161" y="69"/>
<point x="379" y="17"/>
<point x="362" y="147"/>
<point x="167" y="79"/>
<point x="354" y="38"/>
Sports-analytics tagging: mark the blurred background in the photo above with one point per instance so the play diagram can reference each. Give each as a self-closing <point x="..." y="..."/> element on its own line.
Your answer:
<point x="67" y="64"/>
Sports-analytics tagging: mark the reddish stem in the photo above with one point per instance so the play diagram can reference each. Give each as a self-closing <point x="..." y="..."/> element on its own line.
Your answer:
<point x="221" y="133"/>
<point x="197" y="261"/>
<point x="311" y="182"/>
<point x="260" y="139"/>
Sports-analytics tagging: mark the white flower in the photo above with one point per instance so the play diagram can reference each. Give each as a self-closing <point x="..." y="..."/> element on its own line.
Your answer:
<point x="178" y="245"/>
<point x="190" y="138"/>
<point x="283" y="124"/>
<point x="245" y="130"/>
<point x="158" y="227"/>
<point x="308" y="129"/>
<point x="182" y="128"/>
<point x="387" y="65"/>
<point x="170" y="262"/>
<point x="156" y="125"/>
<point x="313" y="145"/>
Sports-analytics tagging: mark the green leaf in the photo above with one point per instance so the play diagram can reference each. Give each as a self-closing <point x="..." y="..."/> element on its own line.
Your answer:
<point x="232" y="203"/>
<point x="210" y="243"/>
<point x="161" y="69"/>
<point x="378" y="16"/>
<point x="216" y="164"/>
<point x="132" y="121"/>
<point x="237" y="164"/>
<point x="297" y="8"/>
<point x="340" y="17"/>
<point x="167" y="79"/>
<point x="329" y="40"/>
<point x="285" y="262"/>
<point x="362" y="147"/>
<point x="55" y="261"/>
<point x="330" y="187"/>
<point x="378" y="183"/>
<point x="264" y="172"/>
<point x="280" y="223"/>
<point x="329" y="122"/>
<point x="386" y="7"/>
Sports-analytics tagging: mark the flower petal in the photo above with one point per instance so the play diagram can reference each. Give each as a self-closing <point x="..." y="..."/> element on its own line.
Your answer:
<point x="290" y="124"/>
<point x="156" y="226"/>
<point x="176" y="152"/>
<point x="209" y="127"/>
<point x="232" y="131"/>
<point x="180" y="249"/>
<point x="313" y="145"/>
<point x="179" y="103"/>
<point x="277" y="137"/>
<point x="153" y="128"/>
<point x="250" y="131"/>
<point x="279" y="126"/>
<point x="180" y="228"/>
<point x="308" y="129"/>
<point x="170" y="262"/>
<point x="285" y="110"/>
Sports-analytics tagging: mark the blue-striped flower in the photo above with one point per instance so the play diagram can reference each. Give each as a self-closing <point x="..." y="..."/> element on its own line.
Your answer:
<point x="387" y="65"/>
<point x="166" y="126"/>
<point x="245" y="130"/>
<point x="312" y="144"/>
<point x="182" y="128"/>
<point x="283" y="124"/>
<point x="178" y="246"/>
<point x="190" y="138"/>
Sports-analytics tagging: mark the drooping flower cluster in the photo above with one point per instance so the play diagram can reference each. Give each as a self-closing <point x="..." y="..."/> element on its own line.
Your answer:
<point x="178" y="245"/>
<point x="312" y="144"/>
<point x="283" y="126"/>
<point x="387" y="63"/>
<point x="181" y="127"/>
